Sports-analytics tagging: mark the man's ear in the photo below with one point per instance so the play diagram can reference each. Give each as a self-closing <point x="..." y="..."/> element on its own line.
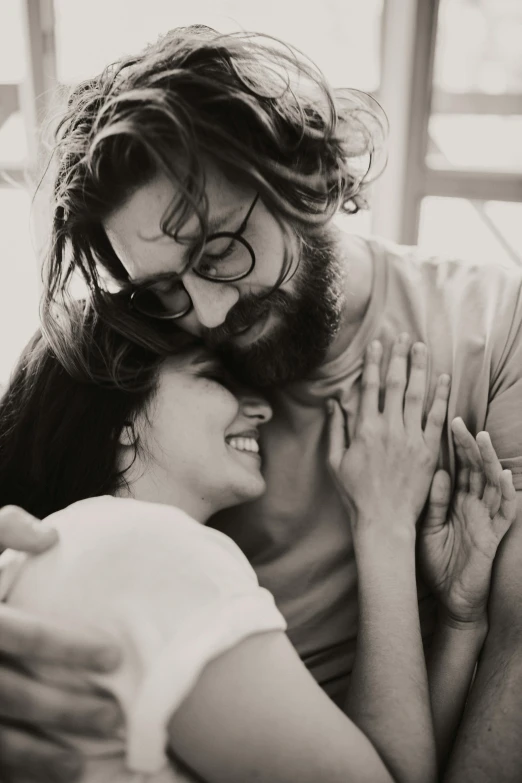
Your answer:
<point x="127" y="435"/>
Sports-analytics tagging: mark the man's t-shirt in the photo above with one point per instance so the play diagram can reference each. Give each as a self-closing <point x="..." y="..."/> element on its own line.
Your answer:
<point x="297" y="536"/>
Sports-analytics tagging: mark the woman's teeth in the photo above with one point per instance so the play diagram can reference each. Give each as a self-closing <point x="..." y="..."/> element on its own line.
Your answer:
<point x="244" y="444"/>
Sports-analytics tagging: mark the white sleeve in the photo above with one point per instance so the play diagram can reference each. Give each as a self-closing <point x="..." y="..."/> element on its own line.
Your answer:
<point x="175" y="593"/>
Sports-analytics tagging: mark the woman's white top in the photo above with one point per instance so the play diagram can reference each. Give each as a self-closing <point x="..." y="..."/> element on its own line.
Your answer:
<point x="173" y="592"/>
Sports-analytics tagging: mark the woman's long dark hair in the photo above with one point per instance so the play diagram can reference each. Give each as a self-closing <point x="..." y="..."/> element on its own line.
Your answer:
<point x="59" y="434"/>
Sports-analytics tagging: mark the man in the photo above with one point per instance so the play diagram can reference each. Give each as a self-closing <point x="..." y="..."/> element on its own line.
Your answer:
<point x="202" y="177"/>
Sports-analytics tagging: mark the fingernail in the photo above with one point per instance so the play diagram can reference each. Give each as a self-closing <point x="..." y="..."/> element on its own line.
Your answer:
<point x="444" y="380"/>
<point x="419" y="349"/>
<point x="329" y="406"/>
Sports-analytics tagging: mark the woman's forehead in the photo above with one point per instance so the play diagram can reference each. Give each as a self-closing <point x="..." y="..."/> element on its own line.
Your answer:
<point x="191" y="360"/>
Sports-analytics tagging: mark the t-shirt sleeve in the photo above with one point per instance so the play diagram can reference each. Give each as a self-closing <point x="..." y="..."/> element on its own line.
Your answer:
<point x="175" y="593"/>
<point x="212" y="621"/>
<point x="504" y="417"/>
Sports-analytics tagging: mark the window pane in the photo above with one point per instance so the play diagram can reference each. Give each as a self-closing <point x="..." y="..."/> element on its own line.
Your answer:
<point x="464" y="141"/>
<point x="13" y="142"/>
<point x="477" y="99"/>
<point x="12" y="65"/>
<point x="342" y="36"/>
<point x="482" y="231"/>
<point x="13" y="150"/>
<point x="19" y="278"/>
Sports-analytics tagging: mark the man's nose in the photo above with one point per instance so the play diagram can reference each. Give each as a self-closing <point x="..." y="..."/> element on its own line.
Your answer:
<point x="255" y="407"/>
<point x="211" y="301"/>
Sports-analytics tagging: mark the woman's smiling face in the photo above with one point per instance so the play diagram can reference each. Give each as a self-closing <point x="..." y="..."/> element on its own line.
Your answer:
<point x="199" y="439"/>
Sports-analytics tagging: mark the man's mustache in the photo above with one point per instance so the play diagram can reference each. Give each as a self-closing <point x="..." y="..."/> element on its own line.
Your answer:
<point x="246" y="312"/>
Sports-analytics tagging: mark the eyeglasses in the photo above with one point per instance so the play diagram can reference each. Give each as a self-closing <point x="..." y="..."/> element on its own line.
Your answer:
<point x="226" y="258"/>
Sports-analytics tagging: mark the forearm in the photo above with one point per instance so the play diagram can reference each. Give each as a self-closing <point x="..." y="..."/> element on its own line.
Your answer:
<point x="488" y="748"/>
<point x="388" y="697"/>
<point x="451" y="663"/>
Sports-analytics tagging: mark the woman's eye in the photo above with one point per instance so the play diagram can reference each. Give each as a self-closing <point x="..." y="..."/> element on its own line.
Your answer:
<point x="222" y="377"/>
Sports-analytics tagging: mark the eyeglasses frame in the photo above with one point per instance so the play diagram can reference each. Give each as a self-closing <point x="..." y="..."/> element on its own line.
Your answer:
<point x="232" y="235"/>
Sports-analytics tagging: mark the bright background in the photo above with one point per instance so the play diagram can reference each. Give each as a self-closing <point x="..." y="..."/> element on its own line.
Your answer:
<point x="448" y="73"/>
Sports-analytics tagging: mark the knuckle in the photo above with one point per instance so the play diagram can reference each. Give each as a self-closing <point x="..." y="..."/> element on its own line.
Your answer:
<point x="437" y="418"/>
<point x="400" y="349"/>
<point x="426" y="458"/>
<point x="414" y="396"/>
<point x="332" y="464"/>
<point x="419" y="353"/>
<point x="367" y="434"/>
<point x="419" y="362"/>
<point x="9" y="511"/>
<point x="395" y="381"/>
<point x="370" y="384"/>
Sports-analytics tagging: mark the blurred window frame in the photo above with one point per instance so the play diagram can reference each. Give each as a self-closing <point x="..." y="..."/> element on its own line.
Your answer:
<point x="422" y="180"/>
<point x="409" y="29"/>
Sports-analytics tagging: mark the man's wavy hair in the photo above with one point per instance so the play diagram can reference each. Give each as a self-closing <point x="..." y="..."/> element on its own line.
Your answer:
<point x="257" y="108"/>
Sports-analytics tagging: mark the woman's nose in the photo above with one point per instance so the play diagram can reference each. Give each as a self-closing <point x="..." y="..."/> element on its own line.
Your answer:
<point x="254" y="407"/>
<point x="212" y="301"/>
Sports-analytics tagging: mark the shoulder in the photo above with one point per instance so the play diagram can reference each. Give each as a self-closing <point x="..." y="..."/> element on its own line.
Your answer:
<point x="465" y="276"/>
<point x="458" y="300"/>
<point x="150" y="538"/>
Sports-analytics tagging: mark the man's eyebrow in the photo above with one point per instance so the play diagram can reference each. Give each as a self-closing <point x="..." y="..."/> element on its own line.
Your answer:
<point x="215" y="224"/>
<point x="155" y="278"/>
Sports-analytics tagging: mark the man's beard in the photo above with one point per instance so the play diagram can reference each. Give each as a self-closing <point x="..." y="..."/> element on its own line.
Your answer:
<point x="308" y="320"/>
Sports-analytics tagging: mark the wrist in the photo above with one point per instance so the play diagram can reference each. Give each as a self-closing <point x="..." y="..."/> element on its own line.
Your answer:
<point x="383" y="545"/>
<point x="384" y="527"/>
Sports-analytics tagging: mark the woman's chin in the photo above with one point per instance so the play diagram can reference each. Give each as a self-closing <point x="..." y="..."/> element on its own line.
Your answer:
<point x="249" y="489"/>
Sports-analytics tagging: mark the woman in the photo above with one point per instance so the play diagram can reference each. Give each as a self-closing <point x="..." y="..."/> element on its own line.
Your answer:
<point x="208" y="672"/>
